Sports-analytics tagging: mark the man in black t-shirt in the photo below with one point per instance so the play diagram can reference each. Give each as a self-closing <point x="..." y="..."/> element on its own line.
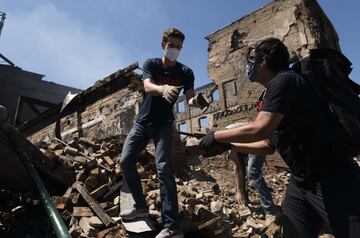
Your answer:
<point x="163" y="79"/>
<point x="324" y="190"/>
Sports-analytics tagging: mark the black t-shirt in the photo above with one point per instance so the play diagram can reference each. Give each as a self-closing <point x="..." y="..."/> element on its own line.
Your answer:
<point x="155" y="109"/>
<point x="303" y="138"/>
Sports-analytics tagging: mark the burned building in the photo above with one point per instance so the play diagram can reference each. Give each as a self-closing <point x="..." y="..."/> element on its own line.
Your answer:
<point x="108" y="109"/>
<point x="300" y="24"/>
<point x="25" y="94"/>
<point x="110" y="106"/>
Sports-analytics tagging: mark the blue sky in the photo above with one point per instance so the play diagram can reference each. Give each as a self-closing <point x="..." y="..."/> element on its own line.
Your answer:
<point x="78" y="42"/>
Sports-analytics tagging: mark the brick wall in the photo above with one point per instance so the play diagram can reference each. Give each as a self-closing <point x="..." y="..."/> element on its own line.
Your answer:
<point x="300" y="24"/>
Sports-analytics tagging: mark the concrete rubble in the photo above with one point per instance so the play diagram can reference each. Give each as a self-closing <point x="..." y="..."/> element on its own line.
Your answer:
<point x="90" y="206"/>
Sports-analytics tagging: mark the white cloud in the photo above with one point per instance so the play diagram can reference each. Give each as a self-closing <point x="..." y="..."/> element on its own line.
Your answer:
<point x="47" y="41"/>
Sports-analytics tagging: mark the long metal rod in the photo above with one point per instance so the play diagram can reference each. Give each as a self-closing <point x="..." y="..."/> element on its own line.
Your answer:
<point x="7" y="60"/>
<point x="58" y="224"/>
<point x="195" y="135"/>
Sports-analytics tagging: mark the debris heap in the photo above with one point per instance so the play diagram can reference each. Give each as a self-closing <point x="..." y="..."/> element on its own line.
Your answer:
<point x="90" y="205"/>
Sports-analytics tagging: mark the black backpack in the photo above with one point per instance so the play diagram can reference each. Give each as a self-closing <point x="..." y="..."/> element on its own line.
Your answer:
<point x="327" y="71"/>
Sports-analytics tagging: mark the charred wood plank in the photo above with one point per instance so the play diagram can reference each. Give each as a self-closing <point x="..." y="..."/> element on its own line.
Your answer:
<point x="106" y="219"/>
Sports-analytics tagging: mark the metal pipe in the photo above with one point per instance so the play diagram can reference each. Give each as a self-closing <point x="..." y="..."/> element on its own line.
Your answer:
<point x="3" y="17"/>
<point x="58" y="224"/>
<point x="195" y="135"/>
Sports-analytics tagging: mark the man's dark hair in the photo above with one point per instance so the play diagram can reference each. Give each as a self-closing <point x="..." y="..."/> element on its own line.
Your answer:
<point x="172" y="32"/>
<point x="275" y="52"/>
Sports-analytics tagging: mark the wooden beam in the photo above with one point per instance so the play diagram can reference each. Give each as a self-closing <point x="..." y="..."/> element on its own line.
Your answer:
<point x="105" y="218"/>
<point x="208" y="223"/>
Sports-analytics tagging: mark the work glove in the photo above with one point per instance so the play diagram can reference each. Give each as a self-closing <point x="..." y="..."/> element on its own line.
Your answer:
<point x="199" y="101"/>
<point x="170" y="93"/>
<point x="210" y="147"/>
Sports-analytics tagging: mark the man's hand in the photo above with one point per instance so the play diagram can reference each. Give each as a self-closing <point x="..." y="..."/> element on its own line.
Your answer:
<point x="199" y="101"/>
<point x="207" y="141"/>
<point x="170" y="93"/>
<point x="211" y="147"/>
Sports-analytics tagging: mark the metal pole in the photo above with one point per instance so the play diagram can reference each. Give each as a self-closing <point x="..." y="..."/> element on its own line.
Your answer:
<point x="58" y="224"/>
<point x="3" y="16"/>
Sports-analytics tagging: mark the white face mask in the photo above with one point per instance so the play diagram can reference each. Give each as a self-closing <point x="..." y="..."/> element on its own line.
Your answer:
<point x="171" y="54"/>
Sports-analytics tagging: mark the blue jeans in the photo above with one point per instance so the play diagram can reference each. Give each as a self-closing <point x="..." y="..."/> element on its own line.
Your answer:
<point x="255" y="164"/>
<point x="135" y="142"/>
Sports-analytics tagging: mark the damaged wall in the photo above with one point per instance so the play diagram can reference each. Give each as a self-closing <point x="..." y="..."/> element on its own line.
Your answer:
<point x="112" y="115"/>
<point x="191" y="119"/>
<point x="106" y="109"/>
<point x="300" y="24"/>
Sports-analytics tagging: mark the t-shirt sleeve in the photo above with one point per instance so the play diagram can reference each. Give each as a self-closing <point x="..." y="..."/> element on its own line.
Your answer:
<point x="280" y="94"/>
<point x="189" y="80"/>
<point x="148" y="69"/>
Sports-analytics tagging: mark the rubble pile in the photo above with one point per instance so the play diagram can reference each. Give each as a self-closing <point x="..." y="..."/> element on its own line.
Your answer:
<point x="90" y="205"/>
<point x="214" y="186"/>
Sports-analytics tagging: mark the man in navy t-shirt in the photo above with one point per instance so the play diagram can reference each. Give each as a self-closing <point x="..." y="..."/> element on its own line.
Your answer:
<point x="156" y="109"/>
<point x="163" y="79"/>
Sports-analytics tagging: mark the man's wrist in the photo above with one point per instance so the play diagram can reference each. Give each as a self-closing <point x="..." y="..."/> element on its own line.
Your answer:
<point x="192" y="102"/>
<point x="214" y="134"/>
<point x="162" y="89"/>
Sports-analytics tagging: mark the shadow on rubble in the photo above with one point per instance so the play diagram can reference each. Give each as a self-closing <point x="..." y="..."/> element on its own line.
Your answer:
<point x="33" y="223"/>
<point x="197" y="174"/>
<point x="142" y="235"/>
<point x="192" y="234"/>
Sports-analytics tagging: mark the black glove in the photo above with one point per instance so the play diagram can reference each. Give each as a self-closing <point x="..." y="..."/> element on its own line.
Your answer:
<point x="207" y="141"/>
<point x="201" y="101"/>
<point x="210" y="147"/>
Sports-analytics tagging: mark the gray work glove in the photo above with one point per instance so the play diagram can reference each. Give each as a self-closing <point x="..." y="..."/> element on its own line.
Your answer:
<point x="170" y="93"/>
<point x="199" y="101"/>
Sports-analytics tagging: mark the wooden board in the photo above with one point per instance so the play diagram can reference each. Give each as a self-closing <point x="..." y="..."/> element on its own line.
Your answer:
<point x="106" y="219"/>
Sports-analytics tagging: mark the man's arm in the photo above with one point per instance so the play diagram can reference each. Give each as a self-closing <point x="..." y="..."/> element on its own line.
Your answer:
<point x="169" y="93"/>
<point x="191" y="98"/>
<point x="197" y="100"/>
<point x="263" y="147"/>
<point x="260" y="129"/>
<point x="151" y="88"/>
<point x="189" y="94"/>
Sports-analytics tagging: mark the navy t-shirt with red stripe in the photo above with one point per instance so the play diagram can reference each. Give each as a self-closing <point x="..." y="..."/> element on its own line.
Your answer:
<point x="155" y="109"/>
